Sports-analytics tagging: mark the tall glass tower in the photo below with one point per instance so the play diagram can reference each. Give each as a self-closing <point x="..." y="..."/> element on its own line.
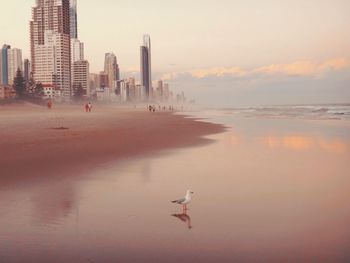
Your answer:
<point x="73" y="19"/>
<point x="146" y="69"/>
<point x="5" y="65"/>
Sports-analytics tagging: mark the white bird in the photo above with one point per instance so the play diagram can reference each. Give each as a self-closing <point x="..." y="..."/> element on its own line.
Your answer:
<point x="185" y="200"/>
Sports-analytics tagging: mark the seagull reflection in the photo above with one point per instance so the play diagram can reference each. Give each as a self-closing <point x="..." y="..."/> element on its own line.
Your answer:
<point x="185" y="218"/>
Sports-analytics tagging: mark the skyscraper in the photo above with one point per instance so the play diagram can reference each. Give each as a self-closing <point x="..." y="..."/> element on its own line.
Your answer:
<point x="73" y="19"/>
<point x="112" y="70"/>
<point x="146" y="69"/>
<point x="50" y="45"/>
<point x="77" y="54"/>
<point x="77" y="50"/>
<point x="166" y="92"/>
<point x="26" y="71"/>
<point x="79" y="66"/>
<point x="45" y="62"/>
<point x="0" y="67"/>
<point x="4" y="65"/>
<point x="14" y="58"/>
<point x="103" y="80"/>
<point x="94" y="83"/>
<point x="81" y="77"/>
<point x="144" y="72"/>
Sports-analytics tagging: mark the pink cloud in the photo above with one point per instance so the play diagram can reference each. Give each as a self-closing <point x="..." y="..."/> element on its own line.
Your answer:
<point x="298" y="68"/>
<point x="305" y="68"/>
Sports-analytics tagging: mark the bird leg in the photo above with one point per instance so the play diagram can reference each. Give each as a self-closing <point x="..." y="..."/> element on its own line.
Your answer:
<point x="184" y="208"/>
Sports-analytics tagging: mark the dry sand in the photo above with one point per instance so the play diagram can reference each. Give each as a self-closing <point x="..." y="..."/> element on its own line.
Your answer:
<point x="36" y="143"/>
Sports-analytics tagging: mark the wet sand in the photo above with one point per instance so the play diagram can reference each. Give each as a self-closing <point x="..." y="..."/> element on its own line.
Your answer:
<point x="265" y="190"/>
<point x="36" y="142"/>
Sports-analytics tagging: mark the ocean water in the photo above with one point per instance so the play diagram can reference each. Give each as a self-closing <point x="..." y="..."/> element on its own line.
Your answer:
<point x="307" y="112"/>
<point x="273" y="188"/>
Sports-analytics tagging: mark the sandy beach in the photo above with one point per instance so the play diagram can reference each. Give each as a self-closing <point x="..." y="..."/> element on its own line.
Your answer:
<point x="267" y="189"/>
<point x="36" y="142"/>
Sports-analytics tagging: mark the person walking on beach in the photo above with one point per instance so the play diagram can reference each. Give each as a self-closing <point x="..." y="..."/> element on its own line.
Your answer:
<point x="90" y="106"/>
<point x="49" y="104"/>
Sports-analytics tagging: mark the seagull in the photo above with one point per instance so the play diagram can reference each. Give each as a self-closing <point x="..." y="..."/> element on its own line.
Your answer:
<point x="184" y="201"/>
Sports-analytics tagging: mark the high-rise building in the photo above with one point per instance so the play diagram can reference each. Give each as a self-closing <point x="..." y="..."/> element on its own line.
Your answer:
<point x="159" y="93"/>
<point x="77" y="47"/>
<point x="103" y="80"/>
<point x="138" y="92"/>
<point x="81" y="76"/>
<point x="147" y="44"/>
<point x="14" y="57"/>
<point x="124" y="86"/>
<point x="94" y="83"/>
<point x="77" y="50"/>
<point x="50" y="45"/>
<point x="0" y="67"/>
<point x="45" y="68"/>
<point x="112" y="70"/>
<point x="146" y="69"/>
<point x="144" y="72"/>
<point x="4" y="65"/>
<point x="166" y="92"/>
<point x="131" y="89"/>
<point x="73" y="19"/>
<point x="26" y="71"/>
<point x="77" y="54"/>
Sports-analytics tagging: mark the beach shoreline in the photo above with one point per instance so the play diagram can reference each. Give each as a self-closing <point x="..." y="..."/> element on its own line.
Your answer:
<point x="37" y="143"/>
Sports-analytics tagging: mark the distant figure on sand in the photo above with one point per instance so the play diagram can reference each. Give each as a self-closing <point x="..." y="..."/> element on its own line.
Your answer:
<point x="86" y="107"/>
<point x="90" y="106"/>
<point x="49" y="104"/>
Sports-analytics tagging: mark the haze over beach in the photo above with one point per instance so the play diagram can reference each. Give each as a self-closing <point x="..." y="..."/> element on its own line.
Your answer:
<point x="158" y="131"/>
<point x="233" y="53"/>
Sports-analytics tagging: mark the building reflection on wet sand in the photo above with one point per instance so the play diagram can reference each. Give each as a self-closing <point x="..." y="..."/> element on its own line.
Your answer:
<point x="52" y="203"/>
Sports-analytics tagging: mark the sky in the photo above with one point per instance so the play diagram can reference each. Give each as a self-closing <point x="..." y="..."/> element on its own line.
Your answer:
<point x="227" y="52"/>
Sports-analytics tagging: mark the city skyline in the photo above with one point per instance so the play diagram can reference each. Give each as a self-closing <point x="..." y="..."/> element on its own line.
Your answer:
<point x="59" y="67"/>
<point x="334" y="17"/>
<point x="291" y="43"/>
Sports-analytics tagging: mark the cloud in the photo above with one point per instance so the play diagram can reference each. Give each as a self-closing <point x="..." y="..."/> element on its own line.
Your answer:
<point x="171" y="75"/>
<point x="218" y="72"/>
<point x="305" y="68"/>
<point x="298" y="68"/>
